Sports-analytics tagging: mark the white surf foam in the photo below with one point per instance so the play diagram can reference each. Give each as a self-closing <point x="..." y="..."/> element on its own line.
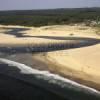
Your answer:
<point x="51" y="78"/>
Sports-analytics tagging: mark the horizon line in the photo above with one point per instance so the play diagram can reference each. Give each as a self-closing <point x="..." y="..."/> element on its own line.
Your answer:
<point x="48" y="8"/>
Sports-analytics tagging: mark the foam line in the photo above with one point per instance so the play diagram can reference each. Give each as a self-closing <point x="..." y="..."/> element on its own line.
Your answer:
<point x="51" y="78"/>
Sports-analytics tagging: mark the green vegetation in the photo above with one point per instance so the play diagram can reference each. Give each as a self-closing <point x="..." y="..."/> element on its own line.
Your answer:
<point x="50" y="17"/>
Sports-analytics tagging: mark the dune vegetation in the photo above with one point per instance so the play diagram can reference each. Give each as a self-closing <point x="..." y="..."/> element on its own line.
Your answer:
<point x="50" y="17"/>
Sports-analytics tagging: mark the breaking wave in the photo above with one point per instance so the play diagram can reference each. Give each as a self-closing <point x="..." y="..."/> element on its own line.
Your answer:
<point x="51" y="82"/>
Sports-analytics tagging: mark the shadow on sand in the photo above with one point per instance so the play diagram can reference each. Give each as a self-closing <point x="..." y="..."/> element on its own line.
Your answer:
<point x="71" y="42"/>
<point x="17" y="32"/>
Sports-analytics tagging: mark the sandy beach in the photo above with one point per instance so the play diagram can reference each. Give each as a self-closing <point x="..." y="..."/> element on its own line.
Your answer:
<point x="79" y="64"/>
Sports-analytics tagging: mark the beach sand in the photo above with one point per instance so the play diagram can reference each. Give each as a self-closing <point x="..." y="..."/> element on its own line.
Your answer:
<point x="80" y="64"/>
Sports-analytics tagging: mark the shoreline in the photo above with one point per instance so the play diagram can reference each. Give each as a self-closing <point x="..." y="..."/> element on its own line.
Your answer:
<point x="34" y="61"/>
<point x="52" y="82"/>
<point x="55" y="35"/>
<point x="70" y="75"/>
